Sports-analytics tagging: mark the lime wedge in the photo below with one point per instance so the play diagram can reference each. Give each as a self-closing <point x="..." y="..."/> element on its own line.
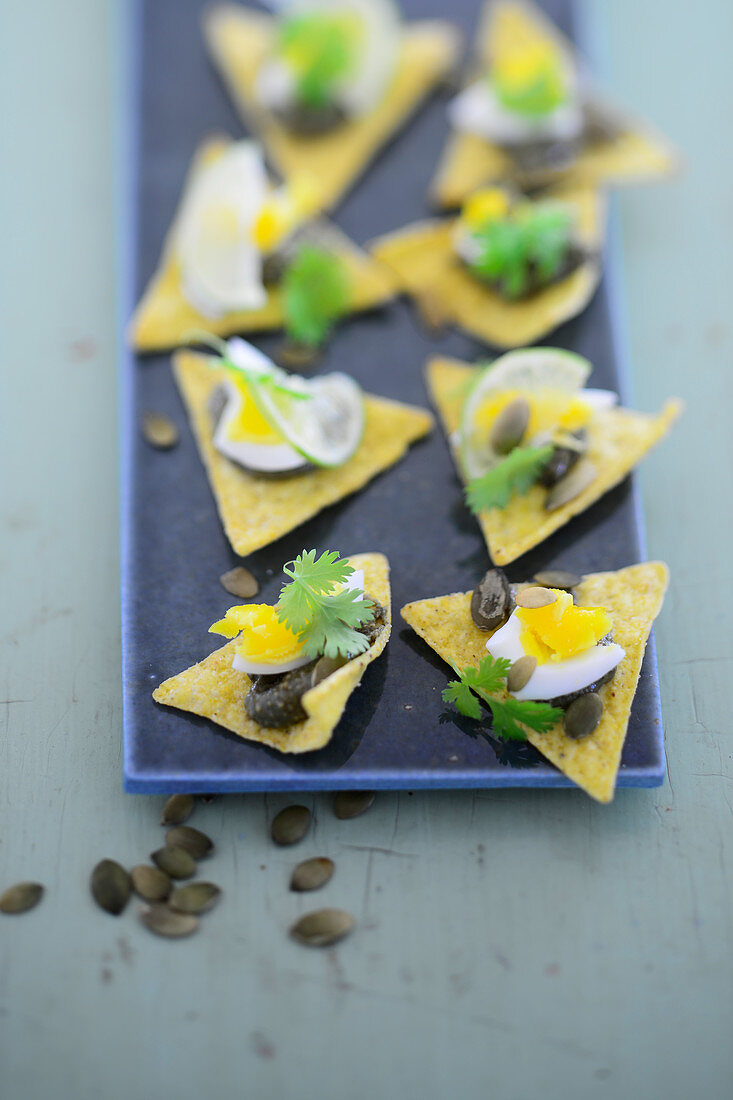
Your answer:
<point x="523" y="369"/>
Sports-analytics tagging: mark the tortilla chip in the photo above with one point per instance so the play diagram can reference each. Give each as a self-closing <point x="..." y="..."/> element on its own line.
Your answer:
<point x="165" y="318"/>
<point x="632" y="154"/>
<point x="215" y="690"/>
<point x="617" y="439"/>
<point x="634" y="597"/>
<point x="423" y="259"/>
<point x="257" y="510"/>
<point x="239" y="39"/>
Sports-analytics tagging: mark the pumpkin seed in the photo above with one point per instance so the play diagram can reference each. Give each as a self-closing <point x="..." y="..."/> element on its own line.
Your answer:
<point x="196" y="897"/>
<point x="558" y="578"/>
<point x="571" y="486"/>
<point x="583" y="715"/>
<point x="159" y="431"/>
<point x="490" y="600"/>
<point x="324" y="666"/>
<point x="150" y="883"/>
<point x="193" y="841"/>
<point x="21" y="897"/>
<point x="165" y="922"/>
<point x="290" y="825"/>
<point x="176" y="862"/>
<point x="348" y="804"/>
<point x="520" y="672"/>
<point x="110" y="886"/>
<point x="177" y="809"/>
<point x="534" y="597"/>
<point x="322" y="927"/>
<point x="240" y="582"/>
<point x="433" y="311"/>
<point x="298" y="356"/>
<point x="510" y="426"/>
<point x="312" y="874"/>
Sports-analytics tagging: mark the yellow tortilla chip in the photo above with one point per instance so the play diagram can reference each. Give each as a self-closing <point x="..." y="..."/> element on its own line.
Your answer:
<point x="631" y="155"/>
<point x="617" y="439"/>
<point x="165" y="318"/>
<point x="239" y="39"/>
<point x="215" y="690"/>
<point x="634" y="597"/>
<point x="257" y="510"/>
<point x="423" y="259"/>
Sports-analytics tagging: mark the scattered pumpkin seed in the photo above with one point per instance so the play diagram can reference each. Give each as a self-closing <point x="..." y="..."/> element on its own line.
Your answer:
<point x="193" y="841"/>
<point x="510" y="426"/>
<point x="322" y="927"/>
<point x="520" y="672"/>
<point x="298" y="356"/>
<point x="150" y="883"/>
<point x="178" y="809"/>
<point x="348" y="804"/>
<point x="290" y="825"/>
<point x="490" y="600"/>
<point x="534" y="597"/>
<point x="240" y="582"/>
<point x="110" y="886"/>
<point x="165" y="922"/>
<point x="312" y="874"/>
<point x="558" y="578"/>
<point x="196" y="897"/>
<point x="324" y="666"/>
<point x="159" y="431"/>
<point x="571" y="486"/>
<point x="583" y="715"/>
<point x="21" y="897"/>
<point x="176" y="862"/>
<point x="432" y="310"/>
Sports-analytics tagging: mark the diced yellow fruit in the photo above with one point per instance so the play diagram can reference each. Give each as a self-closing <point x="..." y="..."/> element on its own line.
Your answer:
<point x="561" y="630"/>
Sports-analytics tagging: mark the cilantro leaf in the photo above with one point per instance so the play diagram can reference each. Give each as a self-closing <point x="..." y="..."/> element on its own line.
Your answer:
<point x="466" y="702"/>
<point x="320" y="49"/>
<point x="316" y="291"/>
<point x="516" y="473"/>
<point x="533" y="235"/>
<point x="323" y="619"/>
<point x="508" y="715"/>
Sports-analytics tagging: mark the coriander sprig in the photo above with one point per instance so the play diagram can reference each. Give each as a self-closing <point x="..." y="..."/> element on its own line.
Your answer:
<point x="316" y="291"/>
<point x="322" y="615"/>
<point x="509" y="715"/>
<point x="517" y="473"/>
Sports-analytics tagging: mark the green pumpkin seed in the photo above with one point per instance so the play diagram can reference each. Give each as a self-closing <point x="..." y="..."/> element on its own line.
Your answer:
<point x="535" y="597"/>
<point x="165" y="922"/>
<point x="240" y="583"/>
<point x="150" y="883"/>
<point x="159" y="431"/>
<point x="348" y="804"/>
<point x="571" y="486"/>
<point x="311" y="874"/>
<point x="510" y="426"/>
<point x="322" y="927"/>
<point x="490" y="600"/>
<point x="558" y="578"/>
<point x="290" y="825"/>
<point x="176" y="862"/>
<point x="324" y="666"/>
<point x="178" y="809"/>
<point x="21" y="897"/>
<point x="296" y="356"/>
<point x="110" y="886"/>
<point x="196" y="897"/>
<point x="520" y="672"/>
<point x="193" y="841"/>
<point x="583" y="715"/>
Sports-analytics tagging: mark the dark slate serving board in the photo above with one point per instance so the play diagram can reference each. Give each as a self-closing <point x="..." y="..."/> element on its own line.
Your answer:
<point x="396" y="732"/>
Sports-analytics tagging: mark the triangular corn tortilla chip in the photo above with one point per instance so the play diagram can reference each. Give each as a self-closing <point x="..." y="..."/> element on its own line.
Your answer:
<point x="213" y="689"/>
<point x="633" y="596"/>
<point x="632" y="151"/>
<point x="165" y="318"/>
<point x="617" y="439"/>
<point x="257" y="510"/>
<point x="239" y="38"/>
<point x="424" y="261"/>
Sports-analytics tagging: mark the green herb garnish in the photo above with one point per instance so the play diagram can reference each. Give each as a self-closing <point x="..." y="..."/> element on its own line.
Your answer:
<point x="316" y="291"/>
<point x="516" y="473"/>
<point x="509" y="715"/>
<point x="532" y="238"/>
<point x="322" y="615"/>
<point x="320" y="49"/>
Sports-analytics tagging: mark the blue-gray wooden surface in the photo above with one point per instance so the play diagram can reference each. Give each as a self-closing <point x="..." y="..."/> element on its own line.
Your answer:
<point x="510" y="944"/>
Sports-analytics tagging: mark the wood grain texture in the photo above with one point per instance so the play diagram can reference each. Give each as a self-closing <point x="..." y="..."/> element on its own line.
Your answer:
<point x="511" y="943"/>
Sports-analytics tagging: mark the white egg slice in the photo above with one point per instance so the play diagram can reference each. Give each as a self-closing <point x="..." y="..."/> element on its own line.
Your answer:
<point x="221" y="268"/>
<point x="599" y="400"/>
<point x="262" y="668"/>
<point x="554" y="678"/>
<point x="476" y="110"/>
<point x="271" y="458"/>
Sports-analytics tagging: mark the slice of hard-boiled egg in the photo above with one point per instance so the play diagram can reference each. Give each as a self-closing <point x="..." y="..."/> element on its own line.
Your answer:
<point x="266" y="647"/>
<point x="564" y="639"/>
